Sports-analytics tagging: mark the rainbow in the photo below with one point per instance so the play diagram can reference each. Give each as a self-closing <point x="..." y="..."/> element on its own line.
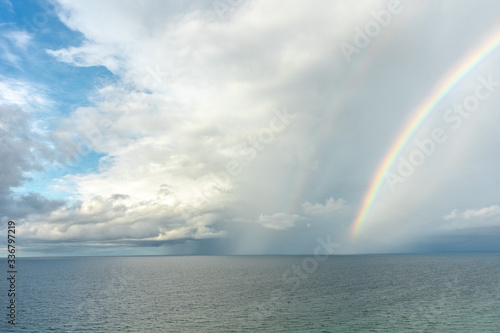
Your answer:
<point x="418" y="117"/>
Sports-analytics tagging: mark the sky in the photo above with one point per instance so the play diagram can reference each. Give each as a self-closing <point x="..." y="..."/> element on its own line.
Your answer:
<point x="234" y="127"/>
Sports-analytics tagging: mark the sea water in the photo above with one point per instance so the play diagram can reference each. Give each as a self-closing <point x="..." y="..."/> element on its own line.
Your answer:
<point x="365" y="293"/>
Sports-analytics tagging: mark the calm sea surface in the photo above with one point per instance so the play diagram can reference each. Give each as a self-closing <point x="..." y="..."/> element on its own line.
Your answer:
<point x="369" y="293"/>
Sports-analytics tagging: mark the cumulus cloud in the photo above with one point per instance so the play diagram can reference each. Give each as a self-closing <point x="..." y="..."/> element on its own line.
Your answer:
<point x="114" y="220"/>
<point x="452" y="215"/>
<point x="481" y="213"/>
<point x="473" y="218"/>
<point x="16" y="207"/>
<point x="196" y="96"/>
<point x="279" y="221"/>
<point x="211" y="118"/>
<point x="23" y="151"/>
<point x="331" y="205"/>
<point x="20" y="151"/>
<point x="191" y="107"/>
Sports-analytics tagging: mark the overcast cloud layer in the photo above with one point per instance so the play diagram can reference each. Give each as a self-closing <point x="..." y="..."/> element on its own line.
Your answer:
<point x="244" y="127"/>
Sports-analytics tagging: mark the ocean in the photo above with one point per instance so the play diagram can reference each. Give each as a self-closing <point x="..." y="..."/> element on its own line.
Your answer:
<point x="359" y="293"/>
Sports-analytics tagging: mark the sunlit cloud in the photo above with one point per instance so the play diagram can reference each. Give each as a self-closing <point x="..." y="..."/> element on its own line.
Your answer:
<point x="245" y="123"/>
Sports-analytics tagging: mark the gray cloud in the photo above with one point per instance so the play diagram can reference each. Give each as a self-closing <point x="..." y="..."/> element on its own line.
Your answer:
<point x="331" y="205"/>
<point x="18" y="149"/>
<point x="23" y="152"/>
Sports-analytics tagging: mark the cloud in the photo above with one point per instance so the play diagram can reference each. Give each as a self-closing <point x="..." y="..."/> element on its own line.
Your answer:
<point x="20" y="38"/>
<point x="24" y="151"/>
<point x="191" y="107"/>
<point x="208" y="121"/>
<point x="473" y="218"/>
<point x="16" y="207"/>
<point x="20" y="151"/>
<point x="14" y="43"/>
<point x="195" y="94"/>
<point x="331" y="205"/>
<point x="30" y="96"/>
<point x="279" y="221"/>
<point x="452" y="215"/>
<point x="117" y="220"/>
<point x="481" y="213"/>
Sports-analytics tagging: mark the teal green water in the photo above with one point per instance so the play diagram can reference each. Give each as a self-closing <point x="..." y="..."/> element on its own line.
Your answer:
<point x="369" y="293"/>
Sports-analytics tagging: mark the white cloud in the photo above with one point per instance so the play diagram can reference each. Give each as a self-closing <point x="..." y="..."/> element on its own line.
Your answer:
<point x="473" y="218"/>
<point x="279" y="221"/>
<point x="116" y="218"/>
<point x="29" y="96"/>
<point x="21" y="39"/>
<point x="452" y="215"/>
<point x="481" y="213"/>
<point x="331" y="205"/>
<point x="22" y="151"/>
<point x="195" y="96"/>
<point x="14" y="42"/>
